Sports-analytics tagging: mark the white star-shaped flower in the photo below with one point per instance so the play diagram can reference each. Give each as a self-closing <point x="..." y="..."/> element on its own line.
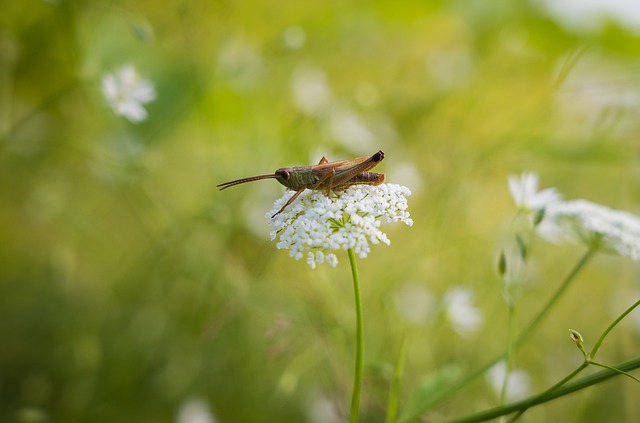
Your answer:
<point x="524" y="190"/>
<point x="126" y="92"/>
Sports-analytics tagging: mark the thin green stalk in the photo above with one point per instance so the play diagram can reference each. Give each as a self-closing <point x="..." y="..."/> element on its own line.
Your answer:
<point x="588" y="360"/>
<point x="569" y="388"/>
<point x="604" y="366"/>
<point x="600" y="340"/>
<point x="556" y="296"/>
<point x="394" y="390"/>
<point x="530" y="328"/>
<point x="357" y="380"/>
<point x="509" y="354"/>
<point x="553" y="388"/>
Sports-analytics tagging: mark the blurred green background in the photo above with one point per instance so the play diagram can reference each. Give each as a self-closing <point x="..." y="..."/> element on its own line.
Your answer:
<point x="132" y="290"/>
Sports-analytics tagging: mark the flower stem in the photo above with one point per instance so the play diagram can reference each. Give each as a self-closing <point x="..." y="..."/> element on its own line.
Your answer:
<point x="357" y="379"/>
<point x="600" y="340"/>
<point x="509" y="353"/>
<point x="527" y="331"/>
<point x="588" y="360"/>
<point x="394" y="391"/>
<point x="556" y="296"/>
<point x="569" y="388"/>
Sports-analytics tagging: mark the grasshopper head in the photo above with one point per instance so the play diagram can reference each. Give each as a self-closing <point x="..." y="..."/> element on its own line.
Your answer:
<point x="283" y="175"/>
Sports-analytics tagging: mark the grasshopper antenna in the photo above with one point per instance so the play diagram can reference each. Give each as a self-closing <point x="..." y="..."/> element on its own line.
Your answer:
<point x="245" y="180"/>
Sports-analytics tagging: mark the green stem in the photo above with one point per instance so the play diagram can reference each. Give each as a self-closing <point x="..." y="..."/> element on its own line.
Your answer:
<point x="553" y="388"/>
<point x="569" y="388"/>
<point x="588" y="359"/>
<point x="556" y="296"/>
<point x="600" y="340"/>
<point x="357" y="380"/>
<point x="534" y="323"/>
<point x="394" y="391"/>
<point x="509" y="354"/>
<point x="604" y="366"/>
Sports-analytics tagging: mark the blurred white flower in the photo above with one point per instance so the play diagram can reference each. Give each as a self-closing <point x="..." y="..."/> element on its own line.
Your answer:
<point x="240" y="63"/>
<point x="594" y="225"/>
<point x="406" y="173"/>
<point x="414" y="303"/>
<point x="450" y="67"/>
<point x="459" y="310"/>
<point x="598" y="96"/>
<point x="524" y="190"/>
<point x="294" y="37"/>
<point x="310" y="90"/>
<point x="126" y="93"/>
<point x="315" y="226"/>
<point x="592" y="14"/>
<point x="321" y="409"/>
<point x="195" y="410"/>
<point x="518" y="382"/>
<point x="349" y="128"/>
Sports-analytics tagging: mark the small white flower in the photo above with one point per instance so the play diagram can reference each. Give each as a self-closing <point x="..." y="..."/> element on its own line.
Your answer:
<point x="195" y="410"/>
<point x="349" y="128"/>
<point x="594" y="225"/>
<point x="524" y="190"/>
<point x="321" y="409"/>
<point x="240" y="64"/>
<point x="310" y="90"/>
<point x="518" y="382"/>
<point x="578" y="15"/>
<point x="315" y="226"/>
<point x="414" y="303"/>
<point x="294" y="37"/>
<point x="459" y="310"/>
<point x="126" y="93"/>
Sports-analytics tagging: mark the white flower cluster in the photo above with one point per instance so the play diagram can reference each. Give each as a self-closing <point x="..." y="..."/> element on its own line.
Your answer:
<point x="315" y="226"/>
<point x="595" y="225"/>
<point x="126" y="92"/>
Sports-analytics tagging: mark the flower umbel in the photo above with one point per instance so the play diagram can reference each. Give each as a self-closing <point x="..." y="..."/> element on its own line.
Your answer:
<point x="594" y="225"/>
<point x="126" y="93"/>
<point x="317" y="226"/>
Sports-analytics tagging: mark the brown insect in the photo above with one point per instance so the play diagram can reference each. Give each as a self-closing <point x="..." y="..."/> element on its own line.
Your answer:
<point x="325" y="176"/>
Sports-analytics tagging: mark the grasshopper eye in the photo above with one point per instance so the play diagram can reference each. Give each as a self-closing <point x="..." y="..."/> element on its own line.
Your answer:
<point x="283" y="173"/>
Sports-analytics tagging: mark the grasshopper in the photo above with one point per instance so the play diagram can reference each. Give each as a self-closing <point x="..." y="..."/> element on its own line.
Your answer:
<point x="325" y="176"/>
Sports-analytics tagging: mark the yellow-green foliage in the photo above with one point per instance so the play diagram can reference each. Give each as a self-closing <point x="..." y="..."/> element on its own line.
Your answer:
<point x="129" y="285"/>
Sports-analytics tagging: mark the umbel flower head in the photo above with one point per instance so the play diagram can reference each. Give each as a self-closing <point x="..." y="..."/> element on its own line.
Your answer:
<point x="594" y="225"/>
<point x="316" y="226"/>
<point x="582" y="221"/>
<point x="126" y="92"/>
